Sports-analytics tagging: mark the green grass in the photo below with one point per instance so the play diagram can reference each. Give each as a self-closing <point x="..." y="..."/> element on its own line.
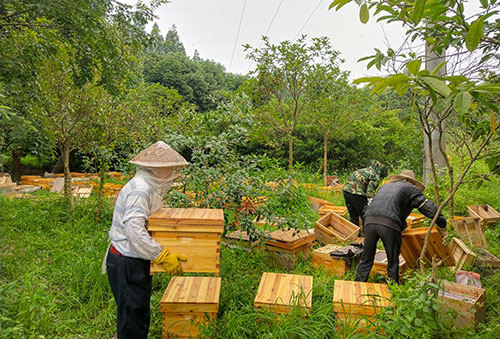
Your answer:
<point x="51" y="285"/>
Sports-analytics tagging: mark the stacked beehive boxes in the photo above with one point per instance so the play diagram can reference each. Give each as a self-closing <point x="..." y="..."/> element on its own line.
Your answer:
<point x="196" y="234"/>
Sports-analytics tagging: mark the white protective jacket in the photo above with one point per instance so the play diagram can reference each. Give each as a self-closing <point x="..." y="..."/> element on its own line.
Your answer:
<point x="140" y="197"/>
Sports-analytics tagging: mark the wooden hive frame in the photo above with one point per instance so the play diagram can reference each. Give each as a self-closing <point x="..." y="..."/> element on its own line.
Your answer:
<point x="357" y="299"/>
<point x="462" y="254"/>
<point x="413" y="242"/>
<point x="471" y="231"/>
<point x="280" y="292"/>
<point x="332" y="228"/>
<point x="415" y="220"/>
<point x="468" y="301"/>
<point x="485" y="212"/>
<point x="187" y="303"/>
<point x="325" y="209"/>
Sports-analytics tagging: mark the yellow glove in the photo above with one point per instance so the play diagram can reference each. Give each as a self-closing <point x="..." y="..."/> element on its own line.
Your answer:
<point x="170" y="262"/>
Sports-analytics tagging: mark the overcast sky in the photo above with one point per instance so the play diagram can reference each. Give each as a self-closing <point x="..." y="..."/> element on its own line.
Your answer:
<point x="211" y="27"/>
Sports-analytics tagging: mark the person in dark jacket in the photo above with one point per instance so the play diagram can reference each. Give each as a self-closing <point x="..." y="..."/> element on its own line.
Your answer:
<point x="385" y="218"/>
<point x="361" y="185"/>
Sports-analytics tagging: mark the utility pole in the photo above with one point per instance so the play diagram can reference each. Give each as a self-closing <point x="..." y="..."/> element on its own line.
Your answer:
<point x="432" y="60"/>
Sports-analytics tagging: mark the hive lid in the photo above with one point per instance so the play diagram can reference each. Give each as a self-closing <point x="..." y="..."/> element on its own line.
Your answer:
<point x="191" y="294"/>
<point x="187" y="220"/>
<point x="284" y="290"/>
<point x="359" y="297"/>
<point x="290" y="239"/>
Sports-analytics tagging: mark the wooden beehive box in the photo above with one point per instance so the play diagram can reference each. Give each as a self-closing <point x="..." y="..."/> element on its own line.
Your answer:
<point x="486" y="259"/>
<point x="29" y="179"/>
<point x="187" y="303"/>
<point x="354" y="299"/>
<point x="281" y="292"/>
<point x="317" y="203"/>
<point x="339" y="210"/>
<point x="82" y="191"/>
<point x="469" y="302"/>
<point x="380" y="264"/>
<point x="485" y="212"/>
<point x="415" y="220"/>
<point x="413" y="242"/>
<point x="193" y="232"/>
<point x="285" y="246"/>
<point x="322" y="257"/>
<point x="332" y="228"/>
<point x="5" y="179"/>
<point x="471" y="231"/>
<point x="461" y="253"/>
<point x="240" y="239"/>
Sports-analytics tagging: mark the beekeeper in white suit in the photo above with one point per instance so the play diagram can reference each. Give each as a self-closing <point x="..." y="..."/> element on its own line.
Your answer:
<point x="132" y="247"/>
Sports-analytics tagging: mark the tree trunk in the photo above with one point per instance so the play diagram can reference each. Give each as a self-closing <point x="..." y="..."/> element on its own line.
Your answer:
<point x="99" y="201"/>
<point x="67" y="174"/>
<point x="16" y="165"/>
<point x="290" y="151"/>
<point x="325" y="159"/>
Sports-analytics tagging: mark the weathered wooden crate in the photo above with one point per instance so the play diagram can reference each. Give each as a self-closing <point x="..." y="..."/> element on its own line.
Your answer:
<point x="325" y="209"/>
<point x="187" y="303"/>
<point x="8" y="187"/>
<point x="469" y="302"/>
<point x="321" y="258"/>
<point x="486" y="259"/>
<point x="485" y="212"/>
<point x="413" y="242"/>
<point x="471" y="231"/>
<point x="281" y="292"/>
<point x="332" y="228"/>
<point x="415" y="220"/>
<point x="462" y="254"/>
<point x="262" y="222"/>
<point x="5" y="178"/>
<point x="380" y="264"/>
<point x="193" y="232"/>
<point x="317" y="203"/>
<point x="240" y="239"/>
<point x="354" y="299"/>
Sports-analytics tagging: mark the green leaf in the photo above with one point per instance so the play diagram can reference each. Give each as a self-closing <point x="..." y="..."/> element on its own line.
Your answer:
<point x="414" y="66"/>
<point x="389" y="81"/>
<point x="437" y="85"/>
<point x="474" y="35"/>
<point x="338" y="4"/>
<point x="487" y="88"/>
<point x="418" y="11"/>
<point x="462" y="102"/>
<point x="438" y="67"/>
<point x="367" y="79"/>
<point x="364" y="14"/>
<point x="484" y="3"/>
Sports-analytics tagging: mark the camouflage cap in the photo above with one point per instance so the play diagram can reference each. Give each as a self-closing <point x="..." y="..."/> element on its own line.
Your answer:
<point x="159" y="155"/>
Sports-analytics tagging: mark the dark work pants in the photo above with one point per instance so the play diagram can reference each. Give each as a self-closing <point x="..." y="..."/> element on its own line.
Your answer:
<point x="355" y="205"/>
<point x="392" y="244"/>
<point x="131" y="286"/>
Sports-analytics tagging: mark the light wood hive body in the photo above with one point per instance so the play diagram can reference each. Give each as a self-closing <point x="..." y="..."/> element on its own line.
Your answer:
<point x="281" y="292"/>
<point x="413" y="242"/>
<point x="187" y="303"/>
<point x="192" y="232"/>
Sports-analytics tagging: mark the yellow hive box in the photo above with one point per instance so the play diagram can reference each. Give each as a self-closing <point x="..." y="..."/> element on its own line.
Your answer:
<point x="187" y="303"/>
<point x="193" y="232"/>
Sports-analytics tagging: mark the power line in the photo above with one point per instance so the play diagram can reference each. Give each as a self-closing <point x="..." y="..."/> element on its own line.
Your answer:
<point x="309" y="18"/>
<point x="267" y="30"/>
<point x="237" y="34"/>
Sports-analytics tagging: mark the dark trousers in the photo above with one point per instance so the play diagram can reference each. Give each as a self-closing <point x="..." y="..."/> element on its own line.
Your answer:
<point x="392" y="244"/>
<point x="131" y="286"/>
<point x="355" y="205"/>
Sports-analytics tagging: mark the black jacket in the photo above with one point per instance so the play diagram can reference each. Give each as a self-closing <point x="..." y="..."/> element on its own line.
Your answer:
<point x="393" y="203"/>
